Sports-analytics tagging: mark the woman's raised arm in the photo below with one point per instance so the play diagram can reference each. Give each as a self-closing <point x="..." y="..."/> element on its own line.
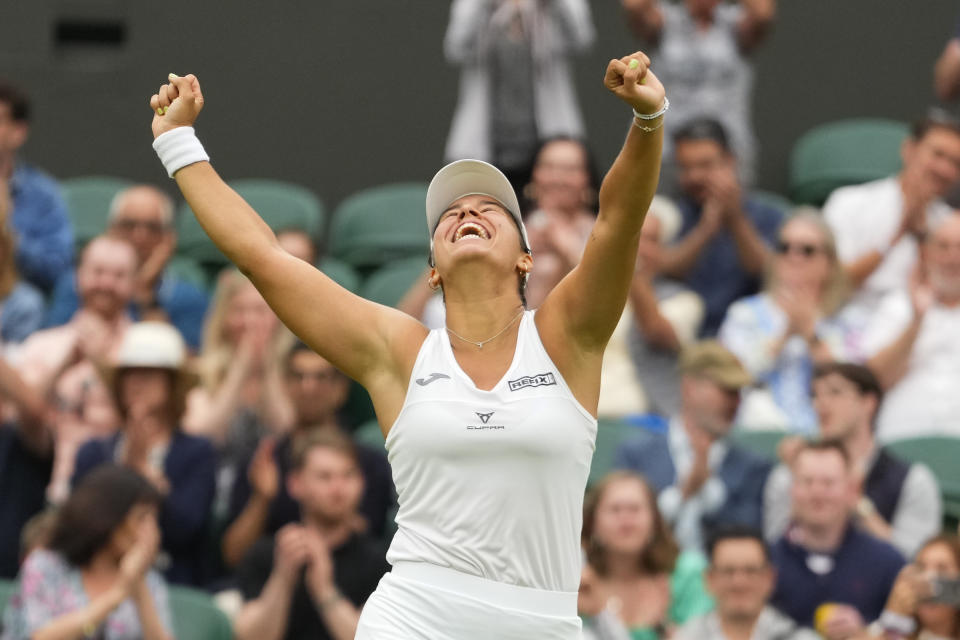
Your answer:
<point x="586" y="306"/>
<point x="357" y="336"/>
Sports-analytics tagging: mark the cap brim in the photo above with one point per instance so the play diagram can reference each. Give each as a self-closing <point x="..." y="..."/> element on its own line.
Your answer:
<point x="466" y="178"/>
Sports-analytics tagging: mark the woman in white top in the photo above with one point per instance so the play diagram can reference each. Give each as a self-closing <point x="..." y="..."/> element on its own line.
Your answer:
<point x="490" y="423"/>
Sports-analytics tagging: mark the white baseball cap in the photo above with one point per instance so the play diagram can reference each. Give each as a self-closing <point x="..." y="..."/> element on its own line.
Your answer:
<point x="152" y="345"/>
<point x="469" y="178"/>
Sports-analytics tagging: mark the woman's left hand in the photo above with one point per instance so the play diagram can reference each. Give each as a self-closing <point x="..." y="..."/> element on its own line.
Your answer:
<point x="631" y="80"/>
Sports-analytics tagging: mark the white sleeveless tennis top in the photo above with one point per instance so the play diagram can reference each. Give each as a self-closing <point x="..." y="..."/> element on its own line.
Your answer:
<point x="491" y="483"/>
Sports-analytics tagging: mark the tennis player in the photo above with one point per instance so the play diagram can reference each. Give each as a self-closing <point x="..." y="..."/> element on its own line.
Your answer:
<point x="489" y="423"/>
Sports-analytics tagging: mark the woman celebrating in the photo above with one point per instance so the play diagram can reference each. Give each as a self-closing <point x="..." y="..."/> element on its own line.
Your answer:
<point x="636" y="584"/>
<point x="490" y="422"/>
<point x="94" y="579"/>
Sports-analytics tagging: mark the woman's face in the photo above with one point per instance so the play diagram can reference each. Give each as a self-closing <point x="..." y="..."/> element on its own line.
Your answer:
<point x="151" y="388"/>
<point x="247" y="311"/>
<point x="624" y="518"/>
<point x="561" y="179"/>
<point x="801" y="261"/>
<point x="937" y="561"/>
<point x="127" y="532"/>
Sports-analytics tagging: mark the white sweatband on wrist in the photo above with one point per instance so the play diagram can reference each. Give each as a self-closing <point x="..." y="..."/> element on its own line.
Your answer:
<point x="178" y="148"/>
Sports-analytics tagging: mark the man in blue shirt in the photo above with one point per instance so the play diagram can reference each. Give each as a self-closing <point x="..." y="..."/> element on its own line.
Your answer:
<point x="823" y="559"/>
<point x="723" y="243"/>
<point x="44" y="232"/>
<point x="143" y="216"/>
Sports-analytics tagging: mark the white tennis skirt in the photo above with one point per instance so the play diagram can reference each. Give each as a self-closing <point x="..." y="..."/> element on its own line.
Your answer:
<point x="420" y="601"/>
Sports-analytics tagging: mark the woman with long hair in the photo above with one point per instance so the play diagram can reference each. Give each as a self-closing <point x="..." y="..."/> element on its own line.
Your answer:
<point x="93" y="580"/>
<point x="781" y="333"/>
<point x="490" y="422"/>
<point x="636" y="583"/>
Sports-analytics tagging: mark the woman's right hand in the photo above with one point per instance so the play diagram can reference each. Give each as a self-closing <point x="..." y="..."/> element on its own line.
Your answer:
<point x="140" y="557"/>
<point x="176" y="104"/>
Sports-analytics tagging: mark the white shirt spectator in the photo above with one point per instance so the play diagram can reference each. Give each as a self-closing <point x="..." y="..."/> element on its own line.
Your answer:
<point x="866" y="218"/>
<point x="926" y="400"/>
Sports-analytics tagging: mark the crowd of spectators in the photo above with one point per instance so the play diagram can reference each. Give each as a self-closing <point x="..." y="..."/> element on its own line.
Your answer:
<point x="154" y="433"/>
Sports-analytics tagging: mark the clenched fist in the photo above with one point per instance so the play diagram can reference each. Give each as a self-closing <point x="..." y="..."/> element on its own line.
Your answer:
<point x="176" y="104"/>
<point x="631" y="80"/>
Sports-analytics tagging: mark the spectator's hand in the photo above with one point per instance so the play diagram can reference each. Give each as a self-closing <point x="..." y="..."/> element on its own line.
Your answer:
<point x="841" y="622"/>
<point x="290" y="552"/>
<point x="6" y="201"/>
<point x="150" y="271"/>
<point x="724" y="189"/>
<point x="176" y="104"/>
<point x="789" y="447"/>
<point x="255" y="341"/>
<point x="263" y="473"/>
<point x="319" y="566"/>
<point x="802" y="311"/>
<point x="590" y="598"/>
<point x="921" y="295"/>
<point x="909" y="590"/>
<point x="143" y="424"/>
<point x="140" y="557"/>
<point x="711" y="216"/>
<point x="918" y="193"/>
<point x="700" y="471"/>
<point x="638" y="87"/>
<point x="95" y="336"/>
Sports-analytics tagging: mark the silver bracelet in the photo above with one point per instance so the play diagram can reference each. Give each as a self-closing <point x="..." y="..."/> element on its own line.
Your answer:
<point x="645" y="128"/>
<point x="653" y="116"/>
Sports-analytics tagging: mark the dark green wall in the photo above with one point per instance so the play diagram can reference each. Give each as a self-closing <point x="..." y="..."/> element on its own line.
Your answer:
<point x="342" y="95"/>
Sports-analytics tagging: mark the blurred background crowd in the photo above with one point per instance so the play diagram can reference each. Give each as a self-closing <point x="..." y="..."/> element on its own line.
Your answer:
<point x="780" y="406"/>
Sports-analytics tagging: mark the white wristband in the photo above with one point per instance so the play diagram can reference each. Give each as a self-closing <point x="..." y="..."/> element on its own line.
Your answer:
<point x="178" y="148"/>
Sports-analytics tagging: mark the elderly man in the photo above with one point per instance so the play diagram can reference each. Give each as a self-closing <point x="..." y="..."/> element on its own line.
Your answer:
<point x="829" y="570"/>
<point x="899" y="502"/>
<point x="66" y="358"/>
<point x="741" y="579"/>
<point x="879" y="225"/>
<point x="44" y="233"/>
<point x="704" y="480"/>
<point x="913" y="344"/>
<point x="143" y="216"/>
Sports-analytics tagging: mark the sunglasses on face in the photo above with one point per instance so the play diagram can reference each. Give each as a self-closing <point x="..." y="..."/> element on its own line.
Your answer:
<point x="800" y="248"/>
<point x="149" y="225"/>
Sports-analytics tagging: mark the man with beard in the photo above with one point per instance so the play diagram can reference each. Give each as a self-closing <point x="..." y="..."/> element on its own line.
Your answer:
<point x="913" y="346"/>
<point x="66" y="358"/>
<point x="704" y="480"/>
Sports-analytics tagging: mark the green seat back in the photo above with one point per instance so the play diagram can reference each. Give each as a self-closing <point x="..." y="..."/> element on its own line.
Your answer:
<point x="941" y="454"/>
<point x="761" y="442"/>
<point x="186" y="268"/>
<point x="388" y="284"/>
<point x="88" y="201"/>
<point x="7" y="589"/>
<point x="379" y="225"/>
<point x="369" y="433"/>
<point x="843" y="153"/>
<point x="610" y="434"/>
<point x="341" y="273"/>
<point x="196" y="617"/>
<point x="282" y="205"/>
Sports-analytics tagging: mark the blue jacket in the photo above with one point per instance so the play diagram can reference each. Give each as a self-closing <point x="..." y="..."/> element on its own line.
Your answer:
<point x="741" y="472"/>
<point x="44" y="231"/>
<point x="190" y="468"/>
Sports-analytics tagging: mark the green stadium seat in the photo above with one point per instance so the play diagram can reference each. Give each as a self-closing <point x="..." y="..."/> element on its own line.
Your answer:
<point x="341" y="273"/>
<point x="610" y="433"/>
<point x="761" y="442"/>
<point x="388" y="284"/>
<point x="196" y="617"/>
<point x="843" y="153"/>
<point x="187" y="269"/>
<point x="7" y="589"/>
<point x="282" y="205"/>
<point x="379" y="225"/>
<point x="942" y="455"/>
<point x="369" y="434"/>
<point x="88" y="201"/>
